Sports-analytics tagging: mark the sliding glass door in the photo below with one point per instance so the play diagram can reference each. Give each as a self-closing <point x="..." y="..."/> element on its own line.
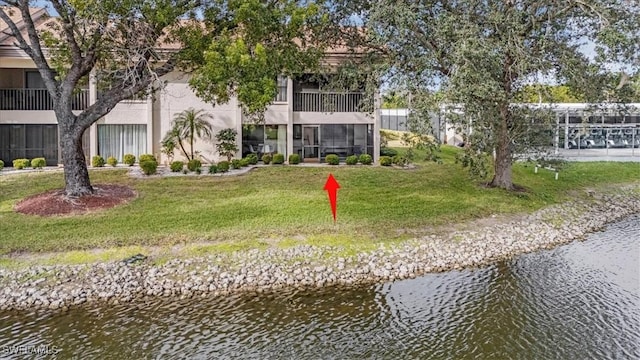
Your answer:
<point x="311" y="139"/>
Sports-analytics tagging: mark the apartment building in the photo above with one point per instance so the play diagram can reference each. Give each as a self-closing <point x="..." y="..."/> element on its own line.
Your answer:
<point x="305" y="118"/>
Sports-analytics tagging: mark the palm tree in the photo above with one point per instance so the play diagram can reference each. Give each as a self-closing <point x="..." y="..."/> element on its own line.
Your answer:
<point x="190" y="124"/>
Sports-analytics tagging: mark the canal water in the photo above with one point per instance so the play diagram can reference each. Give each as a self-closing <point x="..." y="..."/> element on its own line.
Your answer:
<point x="579" y="301"/>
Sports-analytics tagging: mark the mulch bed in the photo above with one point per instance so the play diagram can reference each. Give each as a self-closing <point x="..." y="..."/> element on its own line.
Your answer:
<point x="54" y="202"/>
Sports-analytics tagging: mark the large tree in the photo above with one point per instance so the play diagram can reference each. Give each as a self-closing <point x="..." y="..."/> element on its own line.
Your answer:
<point x="481" y="54"/>
<point x="129" y="45"/>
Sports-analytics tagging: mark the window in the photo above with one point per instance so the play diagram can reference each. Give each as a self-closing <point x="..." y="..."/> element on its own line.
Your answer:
<point x="259" y="139"/>
<point x="282" y="88"/>
<point x="117" y="140"/>
<point x="33" y="80"/>
<point x="29" y="141"/>
<point x="346" y="139"/>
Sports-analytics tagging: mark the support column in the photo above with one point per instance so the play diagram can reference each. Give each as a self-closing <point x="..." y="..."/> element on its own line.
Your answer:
<point x="376" y="128"/>
<point x="556" y="136"/>
<point x="289" y="118"/>
<point x="93" y="129"/>
<point x="566" y="130"/>
<point x="152" y="148"/>
<point x="239" y="118"/>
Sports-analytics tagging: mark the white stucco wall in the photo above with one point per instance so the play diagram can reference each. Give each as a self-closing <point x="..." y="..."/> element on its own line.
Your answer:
<point x="177" y="97"/>
<point x="127" y="112"/>
<point x="277" y="114"/>
<point x="27" y="117"/>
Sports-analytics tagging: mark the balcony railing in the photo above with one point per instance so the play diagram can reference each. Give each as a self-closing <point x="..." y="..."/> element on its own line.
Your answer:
<point x="38" y="99"/>
<point x="328" y="102"/>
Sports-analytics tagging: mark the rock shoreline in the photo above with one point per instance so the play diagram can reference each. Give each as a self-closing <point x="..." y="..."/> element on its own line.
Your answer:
<point x="305" y="266"/>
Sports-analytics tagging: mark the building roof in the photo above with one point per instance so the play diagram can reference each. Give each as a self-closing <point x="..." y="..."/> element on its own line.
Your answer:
<point x="39" y="16"/>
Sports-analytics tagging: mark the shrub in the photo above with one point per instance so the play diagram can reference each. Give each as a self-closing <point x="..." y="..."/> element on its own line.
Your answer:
<point x="235" y="163"/>
<point x="38" y="163"/>
<point x="176" y="166"/>
<point x="332" y="159"/>
<point x="365" y="159"/>
<point x="20" y="163"/>
<point x="199" y="170"/>
<point x="253" y="159"/>
<point x="194" y="165"/>
<point x="226" y="139"/>
<point x="144" y="157"/>
<point x="148" y="166"/>
<point x="385" y="151"/>
<point x="399" y="160"/>
<point x="351" y="160"/>
<point x="97" y="161"/>
<point x="129" y="159"/>
<point x="266" y="159"/>
<point x="385" y="161"/>
<point x="213" y="169"/>
<point x="278" y="159"/>
<point x="1" y="164"/>
<point x="223" y="166"/>
<point x="244" y="162"/>
<point x="294" y="159"/>
<point x="112" y="161"/>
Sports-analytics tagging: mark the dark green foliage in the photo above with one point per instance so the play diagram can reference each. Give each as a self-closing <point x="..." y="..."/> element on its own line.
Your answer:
<point x="21" y="163"/>
<point x="194" y="164"/>
<point x="365" y="159"/>
<point x="332" y="159"/>
<point x="399" y="160"/>
<point x="266" y="159"/>
<point x="351" y="160"/>
<point x="129" y="159"/>
<point x="278" y="159"/>
<point x="235" y="163"/>
<point x="97" y="161"/>
<point x="144" y="157"/>
<point x="148" y="166"/>
<point x="1" y="164"/>
<point x="385" y="161"/>
<point x="213" y="169"/>
<point x="294" y="159"/>
<point x="38" y="163"/>
<point x="226" y="146"/>
<point x="176" y="166"/>
<point x="112" y="161"/>
<point x="385" y="151"/>
<point x="223" y="166"/>
<point x="252" y="158"/>
<point x="259" y="42"/>
<point x="244" y="162"/>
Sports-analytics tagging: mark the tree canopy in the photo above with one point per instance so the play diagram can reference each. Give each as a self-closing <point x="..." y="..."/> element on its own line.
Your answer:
<point x="481" y="55"/>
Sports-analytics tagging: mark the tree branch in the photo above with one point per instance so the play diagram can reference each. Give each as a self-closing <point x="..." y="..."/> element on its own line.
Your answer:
<point x="35" y="49"/>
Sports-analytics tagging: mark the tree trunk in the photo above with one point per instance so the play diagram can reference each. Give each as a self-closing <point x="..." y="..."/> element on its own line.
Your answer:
<point x="502" y="166"/>
<point x="76" y="175"/>
<point x="502" y="162"/>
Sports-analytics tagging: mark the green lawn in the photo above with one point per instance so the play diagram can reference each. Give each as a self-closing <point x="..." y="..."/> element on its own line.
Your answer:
<point x="283" y="204"/>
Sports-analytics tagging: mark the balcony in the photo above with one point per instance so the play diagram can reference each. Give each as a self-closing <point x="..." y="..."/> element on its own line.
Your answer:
<point x="328" y="102"/>
<point x="37" y="99"/>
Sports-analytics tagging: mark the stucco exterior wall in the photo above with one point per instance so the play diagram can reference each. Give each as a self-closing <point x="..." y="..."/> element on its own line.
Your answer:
<point x="177" y="97"/>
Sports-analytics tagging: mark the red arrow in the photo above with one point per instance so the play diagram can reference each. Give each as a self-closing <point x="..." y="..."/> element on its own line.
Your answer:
<point x="332" y="187"/>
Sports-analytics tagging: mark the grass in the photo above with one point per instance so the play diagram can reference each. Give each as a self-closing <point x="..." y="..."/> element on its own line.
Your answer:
<point x="274" y="205"/>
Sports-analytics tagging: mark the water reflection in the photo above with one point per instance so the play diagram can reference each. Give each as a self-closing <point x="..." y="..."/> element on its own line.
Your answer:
<point x="577" y="301"/>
